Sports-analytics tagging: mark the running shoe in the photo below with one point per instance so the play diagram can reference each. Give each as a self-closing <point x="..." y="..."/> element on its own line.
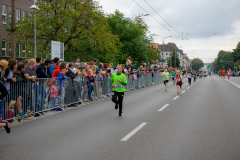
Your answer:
<point x="120" y="115"/>
<point x="165" y="89"/>
<point x="7" y="128"/>
<point x="116" y="106"/>
<point x="21" y="115"/>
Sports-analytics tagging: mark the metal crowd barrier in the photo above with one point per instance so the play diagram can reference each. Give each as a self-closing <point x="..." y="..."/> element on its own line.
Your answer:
<point x="50" y="94"/>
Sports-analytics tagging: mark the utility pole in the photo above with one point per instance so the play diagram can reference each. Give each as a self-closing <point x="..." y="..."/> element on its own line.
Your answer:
<point x="13" y="29"/>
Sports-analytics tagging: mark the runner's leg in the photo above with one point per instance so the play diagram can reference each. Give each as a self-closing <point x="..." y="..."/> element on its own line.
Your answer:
<point x="120" y="101"/>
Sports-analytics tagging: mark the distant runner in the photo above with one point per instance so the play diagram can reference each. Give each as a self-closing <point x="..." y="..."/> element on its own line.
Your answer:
<point x="179" y="81"/>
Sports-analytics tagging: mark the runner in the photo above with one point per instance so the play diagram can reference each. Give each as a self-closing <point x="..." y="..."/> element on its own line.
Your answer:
<point x="205" y="74"/>
<point x="174" y="76"/>
<point x="224" y="72"/>
<point x="189" y="77"/>
<point x="200" y="75"/>
<point x="221" y="73"/>
<point x="182" y="73"/>
<point x="179" y="81"/>
<point x="166" y="77"/>
<point x="229" y="72"/>
<point x="194" y="76"/>
<point x="118" y="81"/>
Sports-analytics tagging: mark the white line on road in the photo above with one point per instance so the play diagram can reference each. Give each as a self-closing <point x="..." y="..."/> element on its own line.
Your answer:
<point x="134" y="131"/>
<point x="183" y="91"/>
<point x="163" y="107"/>
<point x="188" y="88"/>
<point x="175" y="98"/>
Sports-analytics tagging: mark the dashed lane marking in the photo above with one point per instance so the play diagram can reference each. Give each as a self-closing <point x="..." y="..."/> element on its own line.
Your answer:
<point x="184" y="91"/>
<point x="188" y="88"/>
<point x="165" y="106"/>
<point x="175" y="98"/>
<point x="134" y="131"/>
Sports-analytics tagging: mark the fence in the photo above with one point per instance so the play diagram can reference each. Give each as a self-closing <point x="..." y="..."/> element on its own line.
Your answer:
<point x="43" y="95"/>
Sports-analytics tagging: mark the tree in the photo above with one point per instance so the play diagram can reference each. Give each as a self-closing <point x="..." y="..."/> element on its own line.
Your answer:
<point x="132" y="34"/>
<point x="197" y="64"/>
<point x="82" y="26"/>
<point x="173" y="60"/>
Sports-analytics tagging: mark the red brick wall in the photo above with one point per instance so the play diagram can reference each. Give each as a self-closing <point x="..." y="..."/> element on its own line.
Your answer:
<point x="22" y="5"/>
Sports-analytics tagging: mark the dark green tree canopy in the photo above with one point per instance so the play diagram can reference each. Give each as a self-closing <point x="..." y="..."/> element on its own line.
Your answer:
<point x="197" y="64"/>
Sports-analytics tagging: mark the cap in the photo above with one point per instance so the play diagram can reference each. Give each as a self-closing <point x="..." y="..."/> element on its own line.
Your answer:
<point x="47" y="61"/>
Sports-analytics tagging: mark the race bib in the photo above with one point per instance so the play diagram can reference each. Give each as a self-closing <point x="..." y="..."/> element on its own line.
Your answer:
<point x="166" y="77"/>
<point x="118" y="86"/>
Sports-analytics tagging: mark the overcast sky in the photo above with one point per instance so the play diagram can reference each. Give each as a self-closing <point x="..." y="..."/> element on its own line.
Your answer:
<point x="209" y="26"/>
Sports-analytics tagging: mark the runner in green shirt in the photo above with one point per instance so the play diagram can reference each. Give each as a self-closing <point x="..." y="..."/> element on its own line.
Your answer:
<point x="174" y="76"/>
<point x="118" y="81"/>
<point x="166" y="77"/>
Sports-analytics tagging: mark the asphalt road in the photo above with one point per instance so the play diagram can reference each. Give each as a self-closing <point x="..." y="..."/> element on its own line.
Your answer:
<point x="203" y="123"/>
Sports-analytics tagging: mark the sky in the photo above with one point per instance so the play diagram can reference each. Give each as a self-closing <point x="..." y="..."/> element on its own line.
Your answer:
<point x="201" y="28"/>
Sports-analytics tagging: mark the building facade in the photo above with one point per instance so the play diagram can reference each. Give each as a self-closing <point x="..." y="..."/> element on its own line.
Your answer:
<point x="22" y="9"/>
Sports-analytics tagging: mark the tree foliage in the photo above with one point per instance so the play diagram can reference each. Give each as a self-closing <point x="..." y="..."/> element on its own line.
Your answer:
<point x="223" y="56"/>
<point x="173" y="60"/>
<point x="82" y="26"/>
<point x="132" y="34"/>
<point x="197" y="64"/>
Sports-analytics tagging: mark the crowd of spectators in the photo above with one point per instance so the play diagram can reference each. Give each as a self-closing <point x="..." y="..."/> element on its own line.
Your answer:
<point x="30" y="69"/>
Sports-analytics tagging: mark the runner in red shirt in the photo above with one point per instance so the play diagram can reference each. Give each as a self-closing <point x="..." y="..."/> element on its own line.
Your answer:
<point x="179" y="80"/>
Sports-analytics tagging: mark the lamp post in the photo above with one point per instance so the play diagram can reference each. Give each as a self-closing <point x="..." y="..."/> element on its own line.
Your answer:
<point x="35" y="7"/>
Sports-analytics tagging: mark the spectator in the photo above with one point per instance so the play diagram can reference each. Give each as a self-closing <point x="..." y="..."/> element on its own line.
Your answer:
<point x="56" y="62"/>
<point x="90" y="84"/>
<point x="39" y="61"/>
<point x="70" y="92"/>
<point x="91" y="64"/>
<point x="26" y="62"/>
<point x="43" y="70"/>
<point x="100" y="66"/>
<point x="134" y="66"/>
<point x="84" y="66"/>
<point x="105" y="66"/>
<point x="73" y="69"/>
<point x="95" y="61"/>
<point x="12" y="64"/>
<point x="19" y="75"/>
<point x="30" y="71"/>
<point x="142" y="64"/>
<point x="77" y="60"/>
<point x="111" y="68"/>
<point x="3" y="92"/>
<point x="54" y="93"/>
<point x="59" y="69"/>
<point x="129" y="61"/>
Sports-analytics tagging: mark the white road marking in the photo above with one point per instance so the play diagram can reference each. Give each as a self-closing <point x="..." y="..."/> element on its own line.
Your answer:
<point x="134" y="131"/>
<point x="175" y="98"/>
<point x="183" y="91"/>
<point x="188" y="88"/>
<point x="165" y="106"/>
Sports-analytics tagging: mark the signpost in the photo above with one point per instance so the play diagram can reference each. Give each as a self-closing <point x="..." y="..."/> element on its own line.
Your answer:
<point x="57" y="50"/>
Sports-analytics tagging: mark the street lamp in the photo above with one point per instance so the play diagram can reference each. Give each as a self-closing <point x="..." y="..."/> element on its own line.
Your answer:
<point x="35" y="7"/>
<point x="164" y="38"/>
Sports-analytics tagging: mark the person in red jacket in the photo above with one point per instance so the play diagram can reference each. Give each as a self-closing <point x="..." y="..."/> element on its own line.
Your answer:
<point x="179" y="80"/>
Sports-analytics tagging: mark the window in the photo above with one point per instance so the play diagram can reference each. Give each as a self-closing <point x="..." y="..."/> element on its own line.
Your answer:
<point x="18" y="14"/>
<point x="166" y="54"/>
<point x="10" y="13"/>
<point x="3" y="48"/>
<point x="17" y="49"/>
<point x="24" y="15"/>
<point x="9" y="49"/>
<point x="30" y="16"/>
<point x="24" y="50"/>
<point x="4" y="14"/>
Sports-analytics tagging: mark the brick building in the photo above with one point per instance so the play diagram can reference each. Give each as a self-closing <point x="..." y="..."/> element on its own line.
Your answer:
<point x="22" y="9"/>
